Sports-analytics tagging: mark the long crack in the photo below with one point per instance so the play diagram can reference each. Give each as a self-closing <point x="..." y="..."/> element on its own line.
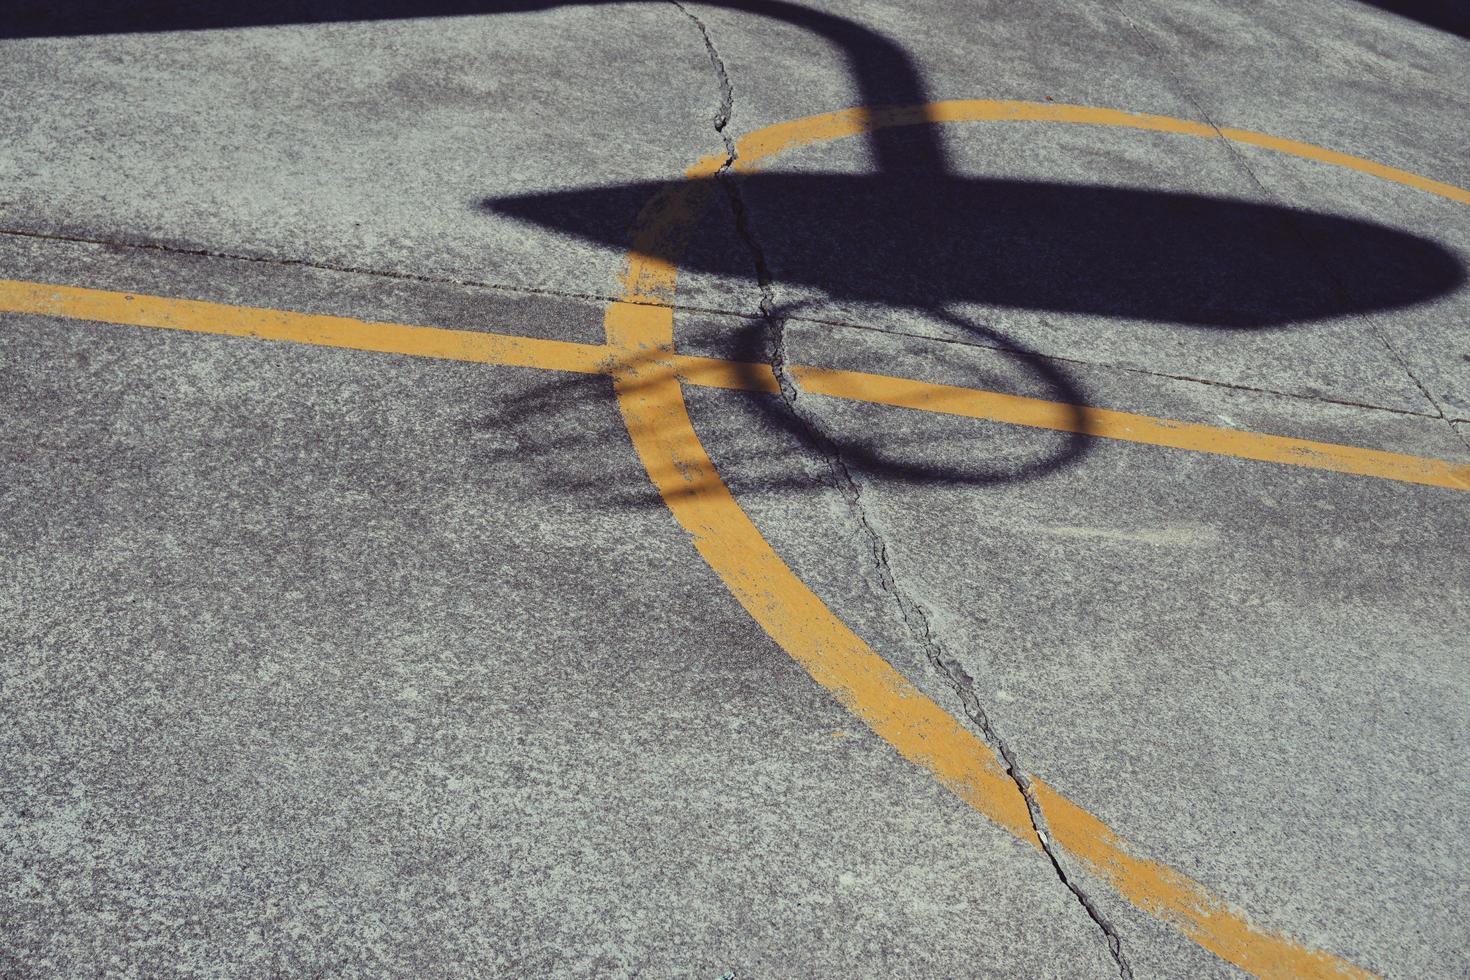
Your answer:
<point x="727" y="91"/>
<point x="911" y="613"/>
<point x="919" y="623"/>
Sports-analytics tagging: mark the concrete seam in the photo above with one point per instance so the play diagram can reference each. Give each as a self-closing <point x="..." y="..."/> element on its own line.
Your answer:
<point x="1116" y="368"/>
<point x="201" y="252"/>
<point x="692" y="308"/>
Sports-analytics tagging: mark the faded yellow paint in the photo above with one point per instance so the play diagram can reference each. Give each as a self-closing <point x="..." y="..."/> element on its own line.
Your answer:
<point x="658" y="421"/>
<point x="1180" y="900"/>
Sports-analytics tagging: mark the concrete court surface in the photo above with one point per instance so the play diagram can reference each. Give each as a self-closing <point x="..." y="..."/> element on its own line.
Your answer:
<point x="321" y="661"/>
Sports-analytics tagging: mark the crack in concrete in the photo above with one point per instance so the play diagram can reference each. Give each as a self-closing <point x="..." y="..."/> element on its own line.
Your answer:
<point x="913" y="615"/>
<point x="727" y="91"/>
<point x="919" y="623"/>
<point x="727" y="180"/>
<point x="1463" y="436"/>
<point x="202" y="252"/>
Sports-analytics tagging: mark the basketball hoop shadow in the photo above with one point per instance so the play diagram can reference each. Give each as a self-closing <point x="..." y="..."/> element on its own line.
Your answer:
<point x="922" y="239"/>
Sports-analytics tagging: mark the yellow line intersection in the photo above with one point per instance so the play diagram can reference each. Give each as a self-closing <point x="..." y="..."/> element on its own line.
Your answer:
<point x="198" y="316"/>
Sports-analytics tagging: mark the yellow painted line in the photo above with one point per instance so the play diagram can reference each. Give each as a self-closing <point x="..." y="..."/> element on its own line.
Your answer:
<point x="647" y="376"/>
<point x="658" y="421"/>
<point x="850" y="122"/>
<point x="198" y="316"/>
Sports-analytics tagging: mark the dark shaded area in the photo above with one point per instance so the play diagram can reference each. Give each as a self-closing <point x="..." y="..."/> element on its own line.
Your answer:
<point x="1066" y="248"/>
<point x="75" y="18"/>
<point x="1452" y="16"/>
<point x="927" y="241"/>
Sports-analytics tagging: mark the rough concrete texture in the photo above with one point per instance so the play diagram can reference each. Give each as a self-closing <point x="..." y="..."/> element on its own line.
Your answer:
<point x="329" y="663"/>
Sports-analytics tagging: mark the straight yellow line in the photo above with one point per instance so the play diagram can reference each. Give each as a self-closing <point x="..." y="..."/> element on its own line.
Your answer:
<point x="1129" y="427"/>
<point x="198" y="316"/>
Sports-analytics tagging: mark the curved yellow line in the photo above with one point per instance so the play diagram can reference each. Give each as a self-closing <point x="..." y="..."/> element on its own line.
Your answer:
<point x="852" y="122"/>
<point x="653" y="406"/>
<point x="657" y="417"/>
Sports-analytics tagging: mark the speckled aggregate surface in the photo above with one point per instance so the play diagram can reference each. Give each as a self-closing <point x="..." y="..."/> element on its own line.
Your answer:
<point x="318" y="662"/>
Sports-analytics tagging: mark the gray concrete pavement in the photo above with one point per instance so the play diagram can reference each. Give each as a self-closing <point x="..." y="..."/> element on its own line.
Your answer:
<point x="325" y="662"/>
<point x="1264" y="667"/>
